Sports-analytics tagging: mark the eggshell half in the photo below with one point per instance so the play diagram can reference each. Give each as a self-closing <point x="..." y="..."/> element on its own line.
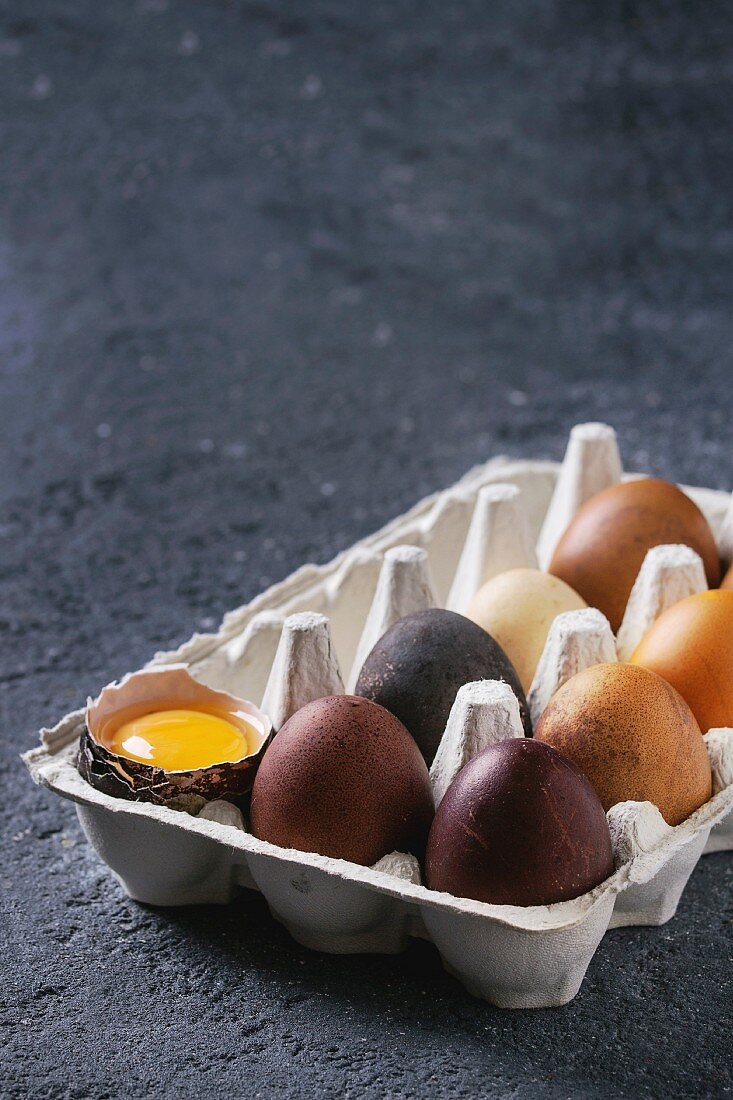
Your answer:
<point x="163" y="688"/>
<point x="691" y="646"/>
<point x="727" y="581"/>
<point x="517" y="609"/>
<point x="603" y="548"/>
<point x="633" y="736"/>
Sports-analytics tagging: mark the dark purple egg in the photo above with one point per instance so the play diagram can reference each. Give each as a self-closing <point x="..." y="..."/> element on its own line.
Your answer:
<point x="519" y="825"/>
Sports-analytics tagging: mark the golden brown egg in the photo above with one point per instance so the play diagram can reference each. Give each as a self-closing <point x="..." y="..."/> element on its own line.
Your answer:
<point x="691" y="646"/>
<point x="633" y="736"/>
<point x="727" y="581"/>
<point x="517" y="608"/>
<point x="604" y="546"/>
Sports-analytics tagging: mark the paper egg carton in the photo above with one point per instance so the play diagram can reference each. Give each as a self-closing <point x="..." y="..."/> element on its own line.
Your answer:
<point x="290" y="645"/>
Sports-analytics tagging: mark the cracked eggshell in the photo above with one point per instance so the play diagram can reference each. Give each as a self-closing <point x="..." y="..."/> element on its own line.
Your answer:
<point x="156" y="689"/>
<point x="633" y="736"/>
<point x="345" y="779"/>
<point x="520" y="825"/>
<point x="417" y="667"/>
<point x="517" y="609"/>
<point x="691" y="647"/>
<point x="604" y="546"/>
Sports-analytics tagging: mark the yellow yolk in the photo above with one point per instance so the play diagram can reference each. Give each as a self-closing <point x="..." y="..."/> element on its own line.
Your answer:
<point x="179" y="740"/>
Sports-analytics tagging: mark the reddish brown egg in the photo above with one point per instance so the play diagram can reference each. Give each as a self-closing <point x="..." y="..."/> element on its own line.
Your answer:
<point x="691" y="646"/>
<point x="519" y="825"/>
<point x="604" y="546"/>
<point x="633" y="736"/>
<point x="344" y="778"/>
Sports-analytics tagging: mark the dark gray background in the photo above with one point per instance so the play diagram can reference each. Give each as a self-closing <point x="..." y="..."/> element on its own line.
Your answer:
<point x="270" y="273"/>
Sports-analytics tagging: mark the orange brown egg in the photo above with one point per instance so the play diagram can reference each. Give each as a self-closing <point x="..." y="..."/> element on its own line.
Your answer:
<point x="691" y="646"/>
<point x="634" y="737"/>
<point x="604" y="546"/>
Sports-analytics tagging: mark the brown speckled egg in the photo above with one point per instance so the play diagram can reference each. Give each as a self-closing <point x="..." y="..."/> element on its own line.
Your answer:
<point x="519" y="825"/>
<point x="604" y="546"/>
<point x="727" y="581"/>
<point x="417" y="667"/>
<point x="691" y="646"/>
<point x="633" y="736"/>
<point x="517" y="609"/>
<point x="344" y="778"/>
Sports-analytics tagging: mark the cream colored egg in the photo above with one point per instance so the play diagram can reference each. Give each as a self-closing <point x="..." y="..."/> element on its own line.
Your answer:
<point x="517" y="609"/>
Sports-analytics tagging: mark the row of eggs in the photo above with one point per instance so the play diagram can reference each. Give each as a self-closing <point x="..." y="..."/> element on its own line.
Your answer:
<point x="524" y="822"/>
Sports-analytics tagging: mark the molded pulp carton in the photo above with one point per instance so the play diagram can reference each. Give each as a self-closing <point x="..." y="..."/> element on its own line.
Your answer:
<point x="305" y="636"/>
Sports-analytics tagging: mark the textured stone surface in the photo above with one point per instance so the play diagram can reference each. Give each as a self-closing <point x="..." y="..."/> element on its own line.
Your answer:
<point x="269" y="273"/>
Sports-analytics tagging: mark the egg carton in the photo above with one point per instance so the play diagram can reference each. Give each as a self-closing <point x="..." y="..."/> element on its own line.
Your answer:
<point x="289" y="646"/>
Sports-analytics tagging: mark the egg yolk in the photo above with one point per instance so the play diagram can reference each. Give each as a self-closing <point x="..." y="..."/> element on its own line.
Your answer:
<point x="180" y="740"/>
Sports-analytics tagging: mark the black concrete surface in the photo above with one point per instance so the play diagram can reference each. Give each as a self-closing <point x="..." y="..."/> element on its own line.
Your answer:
<point x="270" y="272"/>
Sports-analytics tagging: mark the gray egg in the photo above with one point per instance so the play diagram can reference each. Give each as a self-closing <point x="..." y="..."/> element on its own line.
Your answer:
<point x="417" y="667"/>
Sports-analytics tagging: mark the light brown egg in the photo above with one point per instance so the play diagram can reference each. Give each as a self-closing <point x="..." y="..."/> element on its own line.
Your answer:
<point x="727" y="581"/>
<point x="517" y="608"/>
<point x="604" y="546"/>
<point x="691" y="646"/>
<point x="633" y="736"/>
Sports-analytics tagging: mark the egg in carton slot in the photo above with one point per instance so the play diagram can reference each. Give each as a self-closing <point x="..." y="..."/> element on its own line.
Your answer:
<point x="289" y="645"/>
